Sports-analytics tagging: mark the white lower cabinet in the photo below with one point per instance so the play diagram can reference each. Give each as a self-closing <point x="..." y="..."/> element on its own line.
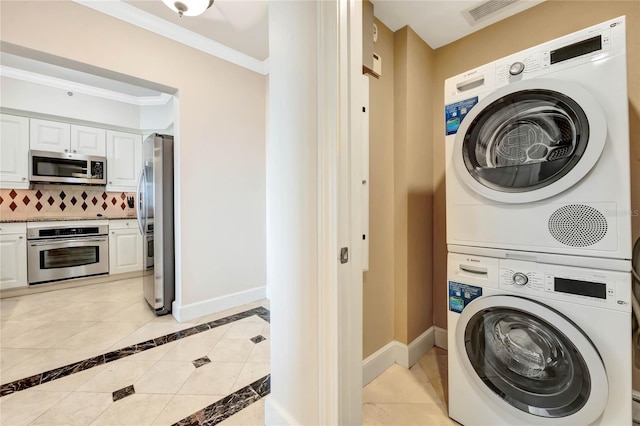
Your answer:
<point x="125" y="247"/>
<point x="13" y="255"/>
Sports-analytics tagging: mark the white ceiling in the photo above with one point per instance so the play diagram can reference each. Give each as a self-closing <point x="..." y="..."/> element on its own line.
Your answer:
<point x="15" y="62"/>
<point x="439" y="22"/>
<point x="238" y="30"/>
<point x="242" y="25"/>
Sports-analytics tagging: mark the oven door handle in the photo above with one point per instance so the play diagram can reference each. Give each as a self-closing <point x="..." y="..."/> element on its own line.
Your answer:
<point x="64" y="241"/>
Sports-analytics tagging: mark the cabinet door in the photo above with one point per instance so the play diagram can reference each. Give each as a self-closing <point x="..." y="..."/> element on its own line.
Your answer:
<point x="13" y="261"/>
<point x="14" y="151"/>
<point x="124" y="161"/>
<point x="125" y="251"/>
<point x="88" y="141"/>
<point x="49" y="135"/>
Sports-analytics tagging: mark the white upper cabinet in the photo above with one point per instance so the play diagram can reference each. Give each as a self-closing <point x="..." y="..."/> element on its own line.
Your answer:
<point x="54" y="136"/>
<point x="50" y="135"/>
<point x="124" y="160"/>
<point x="88" y="140"/>
<point x="14" y="151"/>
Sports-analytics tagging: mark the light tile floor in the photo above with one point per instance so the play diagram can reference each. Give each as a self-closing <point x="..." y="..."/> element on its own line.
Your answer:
<point x="415" y="396"/>
<point x="43" y="331"/>
<point x="39" y="332"/>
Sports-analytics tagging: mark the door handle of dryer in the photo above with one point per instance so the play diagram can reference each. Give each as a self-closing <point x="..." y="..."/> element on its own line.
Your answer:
<point x="477" y="270"/>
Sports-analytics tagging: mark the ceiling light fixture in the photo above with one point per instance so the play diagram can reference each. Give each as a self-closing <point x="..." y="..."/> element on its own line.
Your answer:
<point x="188" y="7"/>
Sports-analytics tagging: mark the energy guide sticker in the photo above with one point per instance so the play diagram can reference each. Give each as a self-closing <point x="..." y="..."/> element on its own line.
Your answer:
<point x="454" y="113"/>
<point x="460" y="295"/>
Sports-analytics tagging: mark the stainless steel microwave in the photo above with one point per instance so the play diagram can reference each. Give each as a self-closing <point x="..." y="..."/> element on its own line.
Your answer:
<point x="58" y="167"/>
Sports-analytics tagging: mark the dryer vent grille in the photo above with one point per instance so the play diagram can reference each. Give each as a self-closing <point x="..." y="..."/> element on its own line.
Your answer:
<point x="577" y="225"/>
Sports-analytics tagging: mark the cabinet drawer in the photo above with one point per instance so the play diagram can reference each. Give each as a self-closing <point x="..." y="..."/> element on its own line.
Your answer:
<point x="8" y="228"/>
<point x="123" y="224"/>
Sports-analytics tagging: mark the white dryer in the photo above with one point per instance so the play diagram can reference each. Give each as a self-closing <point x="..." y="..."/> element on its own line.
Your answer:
<point x="537" y="344"/>
<point x="538" y="149"/>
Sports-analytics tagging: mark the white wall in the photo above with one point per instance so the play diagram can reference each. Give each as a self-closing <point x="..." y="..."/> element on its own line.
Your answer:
<point x="220" y="138"/>
<point x="37" y="98"/>
<point x="54" y="102"/>
<point x="292" y="228"/>
<point x="157" y="118"/>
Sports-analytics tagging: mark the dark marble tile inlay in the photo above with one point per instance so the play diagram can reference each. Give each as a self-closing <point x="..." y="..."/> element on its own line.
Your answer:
<point x="264" y="313"/>
<point x="201" y="361"/>
<point x="123" y="393"/>
<point x="262" y="386"/>
<point x="229" y="405"/>
<point x="57" y="373"/>
<point x="259" y="338"/>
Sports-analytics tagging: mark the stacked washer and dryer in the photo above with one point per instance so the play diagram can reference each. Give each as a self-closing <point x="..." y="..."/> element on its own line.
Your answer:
<point x="539" y="235"/>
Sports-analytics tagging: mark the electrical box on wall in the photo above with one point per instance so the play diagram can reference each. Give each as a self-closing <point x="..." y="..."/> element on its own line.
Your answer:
<point x="377" y="65"/>
<point x="369" y="36"/>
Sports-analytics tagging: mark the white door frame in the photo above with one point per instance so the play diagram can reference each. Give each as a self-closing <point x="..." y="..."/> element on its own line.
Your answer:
<point x="316" y="301"/>
<point x="340" y="139"/>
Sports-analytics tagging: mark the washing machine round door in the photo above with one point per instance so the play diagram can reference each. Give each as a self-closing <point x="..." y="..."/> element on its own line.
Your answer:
<point x="529" y="140"/>
<point x="531" y="361"/>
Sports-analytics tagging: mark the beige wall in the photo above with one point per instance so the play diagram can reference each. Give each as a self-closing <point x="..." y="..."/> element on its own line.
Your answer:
<point x="419" y="187"/>
<point x="397" y="288"/>
<point x="378" y="291"/>
<point x="413" y="62"/>
<point x="537" y="25"/>
<point x="220" y="135"/>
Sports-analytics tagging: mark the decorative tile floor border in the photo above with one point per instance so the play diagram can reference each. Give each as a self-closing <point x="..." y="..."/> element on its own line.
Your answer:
<point x="76" y="367"/>
<point x="229" y="405"/>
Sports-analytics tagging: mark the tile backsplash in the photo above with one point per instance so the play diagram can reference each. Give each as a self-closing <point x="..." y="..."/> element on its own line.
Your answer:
<point x="57" y="201"/>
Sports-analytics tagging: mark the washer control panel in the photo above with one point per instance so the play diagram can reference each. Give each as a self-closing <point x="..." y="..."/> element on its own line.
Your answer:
<point x="581" y="285"/>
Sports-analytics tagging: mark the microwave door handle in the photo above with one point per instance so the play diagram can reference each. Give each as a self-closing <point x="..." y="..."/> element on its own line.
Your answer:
<point x="140" y="198"/>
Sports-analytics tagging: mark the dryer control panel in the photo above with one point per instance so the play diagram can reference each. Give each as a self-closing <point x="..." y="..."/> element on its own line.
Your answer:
<point x="579" y="285"/>
<point x="591" y="44"/>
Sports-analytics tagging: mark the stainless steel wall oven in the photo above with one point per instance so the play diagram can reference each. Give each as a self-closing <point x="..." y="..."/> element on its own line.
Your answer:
<point x="59" y="252"/>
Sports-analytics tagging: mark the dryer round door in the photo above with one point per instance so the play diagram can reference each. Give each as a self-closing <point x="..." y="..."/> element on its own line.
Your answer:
<point x="529" y="140"/>
<point x="531" y="361"/>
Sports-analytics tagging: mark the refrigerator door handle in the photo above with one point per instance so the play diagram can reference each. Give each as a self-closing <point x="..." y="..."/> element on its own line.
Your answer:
<point x="140" y="202"/>
<point x="145" y="201"/>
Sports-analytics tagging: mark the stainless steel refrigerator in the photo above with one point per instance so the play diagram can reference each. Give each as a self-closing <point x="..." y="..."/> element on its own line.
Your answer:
<point x="155" y="221"/>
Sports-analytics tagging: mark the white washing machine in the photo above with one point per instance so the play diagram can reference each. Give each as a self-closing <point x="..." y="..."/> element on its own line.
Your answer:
<point x="538" y="149"/>
<point x="537" y="344"/>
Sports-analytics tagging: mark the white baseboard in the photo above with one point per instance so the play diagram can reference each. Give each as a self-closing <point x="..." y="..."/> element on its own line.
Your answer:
<point x="274" y="414"/>
<point x="210" y="306"/>
<point x="395" y="352"/>
<point x="378" y="362"/>
<point x="441" y="337"/>
<point x="420" y="346"/>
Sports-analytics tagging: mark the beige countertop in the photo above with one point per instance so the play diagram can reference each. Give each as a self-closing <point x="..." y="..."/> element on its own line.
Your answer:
<point x="15" y="219"/>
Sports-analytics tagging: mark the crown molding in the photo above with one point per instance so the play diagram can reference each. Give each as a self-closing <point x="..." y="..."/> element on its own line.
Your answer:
<point x="134" y="16"/>
<point x="59" y="83"/>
